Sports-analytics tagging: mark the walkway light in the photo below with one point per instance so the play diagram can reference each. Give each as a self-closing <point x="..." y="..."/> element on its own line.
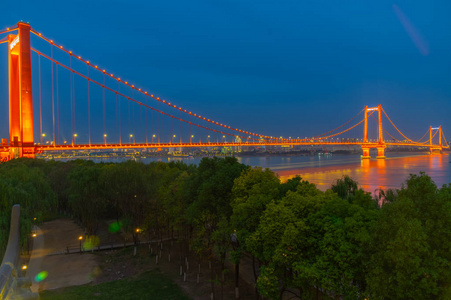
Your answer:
<point x="80" y="238"/>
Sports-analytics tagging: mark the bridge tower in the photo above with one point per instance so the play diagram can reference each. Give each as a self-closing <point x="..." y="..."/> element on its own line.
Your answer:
<point x="21" y="136"/>
<point x="380" y="145"/>
<point x="433" y="148"/>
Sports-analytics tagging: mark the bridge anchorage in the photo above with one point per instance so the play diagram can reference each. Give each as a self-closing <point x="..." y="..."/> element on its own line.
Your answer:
<point x="171" y="127"/>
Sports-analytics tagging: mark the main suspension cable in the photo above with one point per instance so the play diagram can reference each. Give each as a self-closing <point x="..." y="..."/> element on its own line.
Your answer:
<point x="133" y="100"/>
<point x="396" y="127"/>
<point x="340" y="125"/>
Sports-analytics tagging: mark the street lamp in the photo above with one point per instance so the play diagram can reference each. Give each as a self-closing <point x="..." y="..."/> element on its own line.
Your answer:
<point x="75" y="139"/>
<point x="208" y="139"/>
<point x="104" y="138"/>
<point x="190" y="139"/>
<point x="153" y="137"/>
<point x="42" y="138"/>
<point x="224" y="137"/>
<point x="80" y="238"/>
<point x="130" y="139"/>
<point x="172" y="141"/>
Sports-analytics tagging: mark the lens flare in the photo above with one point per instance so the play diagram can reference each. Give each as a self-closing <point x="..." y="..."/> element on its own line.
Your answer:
<point x="115" y="227"/>
<point x="41" y="276"/>
<point x="413" y="32"/>
<point x="91" y="242"/>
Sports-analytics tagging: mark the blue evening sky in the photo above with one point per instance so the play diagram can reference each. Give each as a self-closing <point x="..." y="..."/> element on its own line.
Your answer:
<point x="291" y="68"/>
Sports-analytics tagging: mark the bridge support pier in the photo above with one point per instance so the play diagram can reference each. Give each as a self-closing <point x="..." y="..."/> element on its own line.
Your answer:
<point x="435" y="150"/>
<point x="366" y="153"/>
<point x="381" y="152"/>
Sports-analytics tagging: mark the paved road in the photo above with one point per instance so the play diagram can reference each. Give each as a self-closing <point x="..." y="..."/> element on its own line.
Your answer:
<point x="62" y="270"/>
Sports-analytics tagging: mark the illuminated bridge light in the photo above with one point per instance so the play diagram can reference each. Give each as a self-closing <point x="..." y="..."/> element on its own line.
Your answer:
<point x="325" y="138"/>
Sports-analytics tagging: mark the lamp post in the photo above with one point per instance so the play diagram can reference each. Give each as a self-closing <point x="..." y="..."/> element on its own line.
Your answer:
<point x="75" y="139"/>
<point x="208" y="139"/>
<point x="172" y="141"/>
<point x="80" y="238"/>
<point x="104" y="138"/>
<point x="190" y="139"/>
<point x="224" y="137"/>
<point x="236" y="246"/>
<point x="153" y="137"/>
<point x="130" y="139"/>
<point x="42" y="138"/>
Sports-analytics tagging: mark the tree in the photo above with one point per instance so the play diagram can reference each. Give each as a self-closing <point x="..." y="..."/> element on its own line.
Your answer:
<point x="412" y="244"/>
<point x="252" y="192"/>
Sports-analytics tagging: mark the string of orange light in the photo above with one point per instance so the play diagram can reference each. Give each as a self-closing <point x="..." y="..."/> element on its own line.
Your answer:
<point x="400" y="140"/>
<point x="444" y="139"/>
<point x="131" y="99"/>
<point x="9" y="29"/>
<point x="427" y="131"/>
<point x="396" y="127"/>
<point x="150" y="95"/>
<point x="391" y="135"/>
<point x="319" y="136"/>
<point x="341" y="132"/>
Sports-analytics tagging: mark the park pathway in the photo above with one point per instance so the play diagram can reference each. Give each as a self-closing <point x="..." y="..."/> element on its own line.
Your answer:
<point x="61" y="270"/>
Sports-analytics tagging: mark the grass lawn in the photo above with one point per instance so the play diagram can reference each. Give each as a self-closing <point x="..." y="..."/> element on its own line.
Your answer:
<point x="148" y="285"/>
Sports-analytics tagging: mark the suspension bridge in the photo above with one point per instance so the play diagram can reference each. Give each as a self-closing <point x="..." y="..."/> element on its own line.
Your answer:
<point x="81" y="106"/>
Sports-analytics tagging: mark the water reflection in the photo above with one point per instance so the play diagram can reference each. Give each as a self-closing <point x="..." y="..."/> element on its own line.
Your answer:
<point x="375" y="174"/>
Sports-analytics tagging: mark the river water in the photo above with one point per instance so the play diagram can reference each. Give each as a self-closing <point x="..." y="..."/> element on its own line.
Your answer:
<point x="372" y="174"/>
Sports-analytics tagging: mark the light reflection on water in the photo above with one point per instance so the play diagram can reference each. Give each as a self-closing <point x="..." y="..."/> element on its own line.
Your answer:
<point x="370" y="174"/>
<point x="374" y="174"/>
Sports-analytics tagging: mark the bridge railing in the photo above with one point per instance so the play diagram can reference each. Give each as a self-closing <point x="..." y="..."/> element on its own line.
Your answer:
<point x="12" y="285"/>
<point x="8" y="268"/>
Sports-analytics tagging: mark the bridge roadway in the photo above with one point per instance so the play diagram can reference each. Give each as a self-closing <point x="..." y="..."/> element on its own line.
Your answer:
<point x="5" y="150"/>
<point x="215" y="144"/>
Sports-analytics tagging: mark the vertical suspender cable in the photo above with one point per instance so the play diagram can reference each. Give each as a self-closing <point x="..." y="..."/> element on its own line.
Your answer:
<point x="146" y="127"/>
<point x="129" y="125"/>
<point x="119" y="89"/>
<point x="89" y="110"/>
<point x="117" y="121"/>
<point x="133" y="116"/>
<point x="104" y="112"/>
<point x="141" y="124"/>
<point x="57" y="109"/>
<point x="158" y="124"/>
<point x="40" y="106"/>
<point x="73" y="102"/>
<point x="53" y="97"/>
<point x="71" y="98"/>
<point x="171" y="121"/>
